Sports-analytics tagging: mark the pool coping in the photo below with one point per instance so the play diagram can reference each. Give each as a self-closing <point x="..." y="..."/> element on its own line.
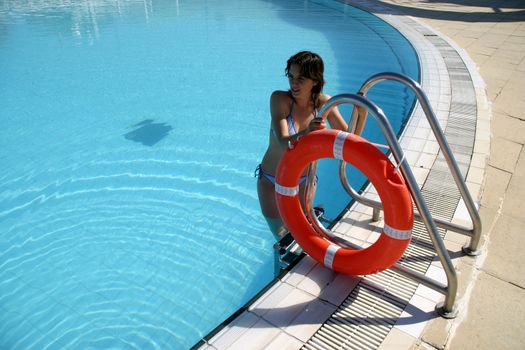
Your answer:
<point x="297" y="305"/>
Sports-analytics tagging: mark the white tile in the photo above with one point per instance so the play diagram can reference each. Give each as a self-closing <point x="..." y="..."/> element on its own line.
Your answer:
<point x="461" y="212"/>
<point x="416" y="144"/>
<point x="356" y="242"/>
<point x="363" y="209"/>
<point x="371" y="192"/>
<point x="284" y="342"/>
<point x="476" y="175"/>
<point x="354" y="215"/>
<point x="366" y="245"/>
<point x="429" y="293"/>
<point x="361" y="231"/>
<point x="343" y="226"/>
<point x="410" y="129"/>
<point x="436" y="273"/>
<point x="411" y="157"/>
<point x="317" y="280"/>
<point x="310" y="319"/>
<point x="258" y="337"/>
<point x="282" y="314"/>
<point x="426" y="160"/>
<point x="423" y="132"/>
<point x="271" y="298"/>
<point x="420" y="174"/>
<point x="474" y="190"/>
<point x="405" y="140"/>
<point x="374" y="235"/>
<point x="431" y="147"/>
<point x="397" y="340"/>
<point x="234" y="331"/>
<point x="423" y="123"/>
<point x="299" y="272"/>
<point x="415" y="316"/>
<point x="339" y="289"/>
<point x="479" y="160"/>
<point x="456" y="237"/>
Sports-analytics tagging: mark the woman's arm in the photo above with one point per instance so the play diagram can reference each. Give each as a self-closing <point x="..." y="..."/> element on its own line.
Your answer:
<point x="336" y="120"/>
<point x="362" y="114"/>
<point x="280" y="108"/>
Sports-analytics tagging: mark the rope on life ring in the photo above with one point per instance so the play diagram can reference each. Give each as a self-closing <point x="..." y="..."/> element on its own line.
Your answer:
<point x="394" y="195"/>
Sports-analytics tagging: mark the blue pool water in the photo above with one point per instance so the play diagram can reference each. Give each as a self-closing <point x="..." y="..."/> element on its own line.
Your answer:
<point x="130" y="131"/>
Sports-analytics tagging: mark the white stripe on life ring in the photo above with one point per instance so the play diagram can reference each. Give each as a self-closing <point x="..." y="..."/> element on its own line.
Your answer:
<point x="338" y="144"/>
<point x="329" y="255"/>
<point x="286" y="191"/>
<point x="397" y="234"/>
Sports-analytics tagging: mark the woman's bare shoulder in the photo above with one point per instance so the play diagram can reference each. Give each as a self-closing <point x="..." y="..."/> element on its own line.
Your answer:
<point x="280" y="96"/>
<point x="280" y="101"/>
<point x="323" y="98"/>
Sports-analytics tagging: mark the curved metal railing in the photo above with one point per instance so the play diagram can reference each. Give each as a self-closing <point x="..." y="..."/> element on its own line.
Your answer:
<point x="448" y="308"/>
<point x="474" y="232"/>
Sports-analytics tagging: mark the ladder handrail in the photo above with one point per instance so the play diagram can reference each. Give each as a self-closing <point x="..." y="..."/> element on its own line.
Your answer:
<point x="474" y="232"/>
<point x="448" y="307"/>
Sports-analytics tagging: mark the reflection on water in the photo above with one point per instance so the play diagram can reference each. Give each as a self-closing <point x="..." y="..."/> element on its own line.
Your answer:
<point x="85" y="18"/>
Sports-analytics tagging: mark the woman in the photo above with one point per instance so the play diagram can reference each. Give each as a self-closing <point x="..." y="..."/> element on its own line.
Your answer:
<point x="293" y="115"/>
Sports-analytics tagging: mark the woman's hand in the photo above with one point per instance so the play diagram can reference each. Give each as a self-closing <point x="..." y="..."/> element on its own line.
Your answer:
<point x="362" y="111"/>
<point x="316" y="124"/>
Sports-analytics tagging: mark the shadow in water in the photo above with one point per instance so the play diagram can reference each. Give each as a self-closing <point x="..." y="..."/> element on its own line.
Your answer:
<point x="148" y="133"/>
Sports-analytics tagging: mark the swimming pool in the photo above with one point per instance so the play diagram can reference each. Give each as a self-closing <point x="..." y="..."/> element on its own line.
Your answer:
<point x="128" y="211"/>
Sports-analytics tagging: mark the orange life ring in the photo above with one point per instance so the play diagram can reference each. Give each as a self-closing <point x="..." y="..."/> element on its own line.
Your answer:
<point x="394" y="195"/>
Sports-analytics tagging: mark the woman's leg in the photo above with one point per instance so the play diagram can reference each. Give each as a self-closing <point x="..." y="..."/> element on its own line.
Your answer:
<point x="277" y="227"/>
<point x="266" y="191"/>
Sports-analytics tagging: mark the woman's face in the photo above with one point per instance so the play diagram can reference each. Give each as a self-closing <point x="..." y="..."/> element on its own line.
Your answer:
<point x="300" y="86"/>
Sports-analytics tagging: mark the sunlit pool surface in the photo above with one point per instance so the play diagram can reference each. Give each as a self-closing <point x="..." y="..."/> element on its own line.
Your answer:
<point x="130" y="131"/>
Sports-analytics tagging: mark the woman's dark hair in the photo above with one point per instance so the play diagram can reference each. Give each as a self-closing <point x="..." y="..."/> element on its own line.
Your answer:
<point x="312" y="67"/>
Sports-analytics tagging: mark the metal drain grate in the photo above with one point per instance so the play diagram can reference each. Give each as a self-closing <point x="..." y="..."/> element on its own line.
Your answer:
<point x="370" y="306"/>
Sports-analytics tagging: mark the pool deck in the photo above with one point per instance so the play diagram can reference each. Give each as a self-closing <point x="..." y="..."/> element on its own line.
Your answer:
<point x="488" y="43"/>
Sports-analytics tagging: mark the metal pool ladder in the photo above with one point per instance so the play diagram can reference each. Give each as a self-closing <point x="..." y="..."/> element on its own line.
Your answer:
<point x="447" y="308"/>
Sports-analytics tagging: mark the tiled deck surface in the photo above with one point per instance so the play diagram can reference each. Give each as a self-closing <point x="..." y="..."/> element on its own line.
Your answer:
<point x="491" y="286"/>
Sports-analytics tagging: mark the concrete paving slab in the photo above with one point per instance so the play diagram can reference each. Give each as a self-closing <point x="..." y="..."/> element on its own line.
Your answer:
<point x="519" y="171"/>
<point x="510" y="100"/>
<point x="499" y="179"/>
<point x="495" y="318"/>
<point x="504" y="154"/>
<point x="514" y="204"/>
<point x="511" y="128"/>
<point x="505" y="253"/>
<point x="489" y="218"/>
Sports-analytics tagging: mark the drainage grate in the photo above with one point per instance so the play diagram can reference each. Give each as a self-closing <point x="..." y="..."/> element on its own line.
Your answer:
<point x="370" y="307"/>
